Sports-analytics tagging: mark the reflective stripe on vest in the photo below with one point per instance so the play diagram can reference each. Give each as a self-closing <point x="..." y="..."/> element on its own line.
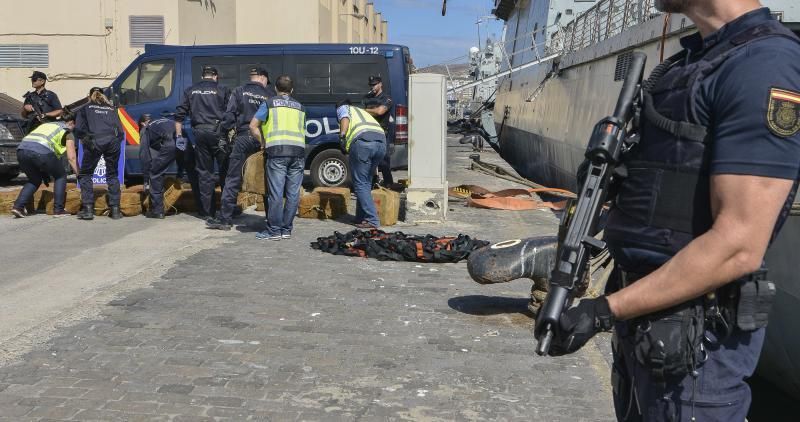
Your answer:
<point x="49" y="135"/>
<point x="284" y="126"/>
<point x="360" y="122"/>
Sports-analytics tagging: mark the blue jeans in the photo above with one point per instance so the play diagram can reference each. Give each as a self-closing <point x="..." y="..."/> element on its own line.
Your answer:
<point x="284" y="177"/>
<point x="364" y="159"/>
<point x="38" y="167"/>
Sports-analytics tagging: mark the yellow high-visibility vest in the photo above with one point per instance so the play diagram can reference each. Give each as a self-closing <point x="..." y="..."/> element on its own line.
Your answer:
<point x="360" y="122"/>
<point x="49" y="135"/>
<point x="286" y="124"/>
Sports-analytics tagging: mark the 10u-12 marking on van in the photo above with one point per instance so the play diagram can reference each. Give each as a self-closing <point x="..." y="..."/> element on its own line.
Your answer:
<point x="364" y="50"/>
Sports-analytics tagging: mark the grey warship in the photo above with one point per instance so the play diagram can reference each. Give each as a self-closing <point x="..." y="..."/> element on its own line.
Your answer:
<point x="565" y="64"/>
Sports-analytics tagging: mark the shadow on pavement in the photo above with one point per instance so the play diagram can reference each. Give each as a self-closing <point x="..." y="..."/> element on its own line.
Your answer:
<point x="490" y="305"/>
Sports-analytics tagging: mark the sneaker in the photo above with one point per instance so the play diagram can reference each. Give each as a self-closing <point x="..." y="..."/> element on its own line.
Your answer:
<point x="266" y="236"/>
<point x="218" y="225"/>
<point x="286" y="236"/>
<point x="18" y="212"/>
<point x="365" y="225"/>
<point x="59" y="214"/>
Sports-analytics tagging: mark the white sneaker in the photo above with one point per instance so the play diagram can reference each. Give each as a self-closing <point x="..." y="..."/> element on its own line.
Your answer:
<point x="18" y="213"/>
<point x="286" y="236"/>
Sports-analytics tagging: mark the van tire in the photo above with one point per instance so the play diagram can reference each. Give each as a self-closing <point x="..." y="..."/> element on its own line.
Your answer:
<point x="330" y="168"/>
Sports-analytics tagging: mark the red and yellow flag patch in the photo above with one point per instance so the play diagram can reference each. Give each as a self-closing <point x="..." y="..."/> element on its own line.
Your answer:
<point x="783" y="114"/>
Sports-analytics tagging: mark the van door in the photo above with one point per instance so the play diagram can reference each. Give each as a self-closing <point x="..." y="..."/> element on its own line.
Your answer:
<point x="151" y="86"/>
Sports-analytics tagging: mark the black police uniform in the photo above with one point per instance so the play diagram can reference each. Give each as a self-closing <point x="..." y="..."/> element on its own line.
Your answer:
<point x="156" y="152"/>
<point x="383" y="99"/>
<point x="44" y="101"/>
<point x="713" y="110"/>
<point x="204" y="102"/>
<point x="100" y="131"/>
<point x="242" y="106"/>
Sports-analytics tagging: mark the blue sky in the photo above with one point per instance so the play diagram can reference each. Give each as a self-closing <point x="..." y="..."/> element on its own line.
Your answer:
<point x="432" y="38"/>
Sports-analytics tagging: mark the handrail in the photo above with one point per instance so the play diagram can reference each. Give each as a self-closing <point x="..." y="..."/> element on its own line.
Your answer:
<point x="600" y="22"/>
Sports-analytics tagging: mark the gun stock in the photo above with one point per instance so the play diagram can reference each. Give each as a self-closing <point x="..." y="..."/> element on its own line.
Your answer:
<point x="602" y="153"/>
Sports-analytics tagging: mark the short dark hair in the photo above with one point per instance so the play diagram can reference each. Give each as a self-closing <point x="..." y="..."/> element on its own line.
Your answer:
<point x="67" y="116"/>
<point x="284" y="84"/>
<point x="344" y="102"/>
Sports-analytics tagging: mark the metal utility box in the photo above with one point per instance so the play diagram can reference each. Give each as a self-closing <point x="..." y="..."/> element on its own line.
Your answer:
<point x="426" y="197"/>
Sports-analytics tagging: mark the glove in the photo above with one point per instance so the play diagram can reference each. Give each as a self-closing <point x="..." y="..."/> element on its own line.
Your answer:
<point x="343" y="145"/>
<point x="579" y="324"/>
<point x="180" y="143"/>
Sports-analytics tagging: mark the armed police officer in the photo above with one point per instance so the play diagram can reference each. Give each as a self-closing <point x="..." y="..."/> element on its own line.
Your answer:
<point x="708" y="187"/>
<point x="41" y="105"/>
<point x="99" y="129"/>
<point x="156" y="152"/>
<point x="282" y="121"/>
<point x="379" y="104"/>
<point x="242" y="106"/>
<point x="204" y="103"/>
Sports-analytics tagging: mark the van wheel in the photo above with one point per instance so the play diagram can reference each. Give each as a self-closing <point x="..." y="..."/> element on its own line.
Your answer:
<point x="329" y="168"/>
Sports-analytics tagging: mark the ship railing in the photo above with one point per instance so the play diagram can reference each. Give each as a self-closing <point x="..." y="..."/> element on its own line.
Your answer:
<point x="602" y="21"/>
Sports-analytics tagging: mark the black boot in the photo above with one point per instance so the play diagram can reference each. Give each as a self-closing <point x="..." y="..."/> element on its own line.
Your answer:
<point x="151" y="214"/>
<point x="86" y="213"/>
<point x="116" y="214"/>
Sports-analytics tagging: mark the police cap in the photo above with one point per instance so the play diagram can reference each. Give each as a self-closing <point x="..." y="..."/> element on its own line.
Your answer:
<point x="38" y="75"/>
<point x="258" y="71"/>
<point x="210" y="70"/>
<point x="374" y="80"/>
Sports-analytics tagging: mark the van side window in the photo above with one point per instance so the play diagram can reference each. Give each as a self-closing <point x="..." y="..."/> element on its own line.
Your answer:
<point x="313" y="78"/>
<point x="329" y="78"/>
<point x="150" y="81"/>
<point x="235" y="70"/>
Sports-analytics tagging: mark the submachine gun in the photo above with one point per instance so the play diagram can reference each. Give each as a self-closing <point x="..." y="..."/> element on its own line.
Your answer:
<point x="609" y="139"/>
<point x="37" y="117"/>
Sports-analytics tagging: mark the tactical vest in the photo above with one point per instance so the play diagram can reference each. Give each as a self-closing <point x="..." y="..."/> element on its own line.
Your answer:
<point x="50" y="135"/>
<point x="664" y="202"/>
<point x="360" y="122"/>
<point x="285" y="125"/>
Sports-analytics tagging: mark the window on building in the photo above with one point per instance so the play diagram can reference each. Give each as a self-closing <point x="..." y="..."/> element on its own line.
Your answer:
<point x="146" y="30"/>
<point x="24" y="55"/>
<point x="150" y="81"/>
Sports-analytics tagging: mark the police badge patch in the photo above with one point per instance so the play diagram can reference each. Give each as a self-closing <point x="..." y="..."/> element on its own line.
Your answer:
<point x="783" y="114"/>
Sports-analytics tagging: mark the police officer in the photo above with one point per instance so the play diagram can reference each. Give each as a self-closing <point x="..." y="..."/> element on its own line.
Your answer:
<point x="39" y="156"/>
<point x="204" y="102"/>
<point x="156" y="152"/>
<point x="242" y="106"/>
<point x="364" y="140"/>
<point x="99" y="129"/>
<point x="282" y="120"/>
<point x="709" y="185"/>
<point x="379" y="105"/>
<point x="41" y="105"/>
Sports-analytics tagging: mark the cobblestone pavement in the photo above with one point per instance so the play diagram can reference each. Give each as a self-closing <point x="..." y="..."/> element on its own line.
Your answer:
<point x="256" y="330"/>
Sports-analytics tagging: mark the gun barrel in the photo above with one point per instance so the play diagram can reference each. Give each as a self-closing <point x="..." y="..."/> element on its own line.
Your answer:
<point x="548" y="317"/>
<point x="544" y="342"/>
<point x="623" y="109"/>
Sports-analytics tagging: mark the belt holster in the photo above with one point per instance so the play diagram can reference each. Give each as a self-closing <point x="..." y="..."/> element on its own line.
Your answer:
<point x="747" y="302"/>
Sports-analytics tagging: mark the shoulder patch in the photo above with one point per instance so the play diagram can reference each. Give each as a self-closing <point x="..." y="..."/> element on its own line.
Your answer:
<point x="783" y="113"/>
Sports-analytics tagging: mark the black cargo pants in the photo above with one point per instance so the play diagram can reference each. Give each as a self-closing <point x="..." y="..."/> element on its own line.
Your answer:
<point x="209" y="149"/>
<point x="244" y="146"/>
<point x="109" y="150"/>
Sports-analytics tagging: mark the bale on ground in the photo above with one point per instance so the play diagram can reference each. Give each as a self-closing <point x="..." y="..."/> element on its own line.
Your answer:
<point x="253" y="174"/>
<point x="323" y="205"/>
<point x="130" y="203"/>
<point x="387" y="203"/>
<point x="7" y="199"/>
